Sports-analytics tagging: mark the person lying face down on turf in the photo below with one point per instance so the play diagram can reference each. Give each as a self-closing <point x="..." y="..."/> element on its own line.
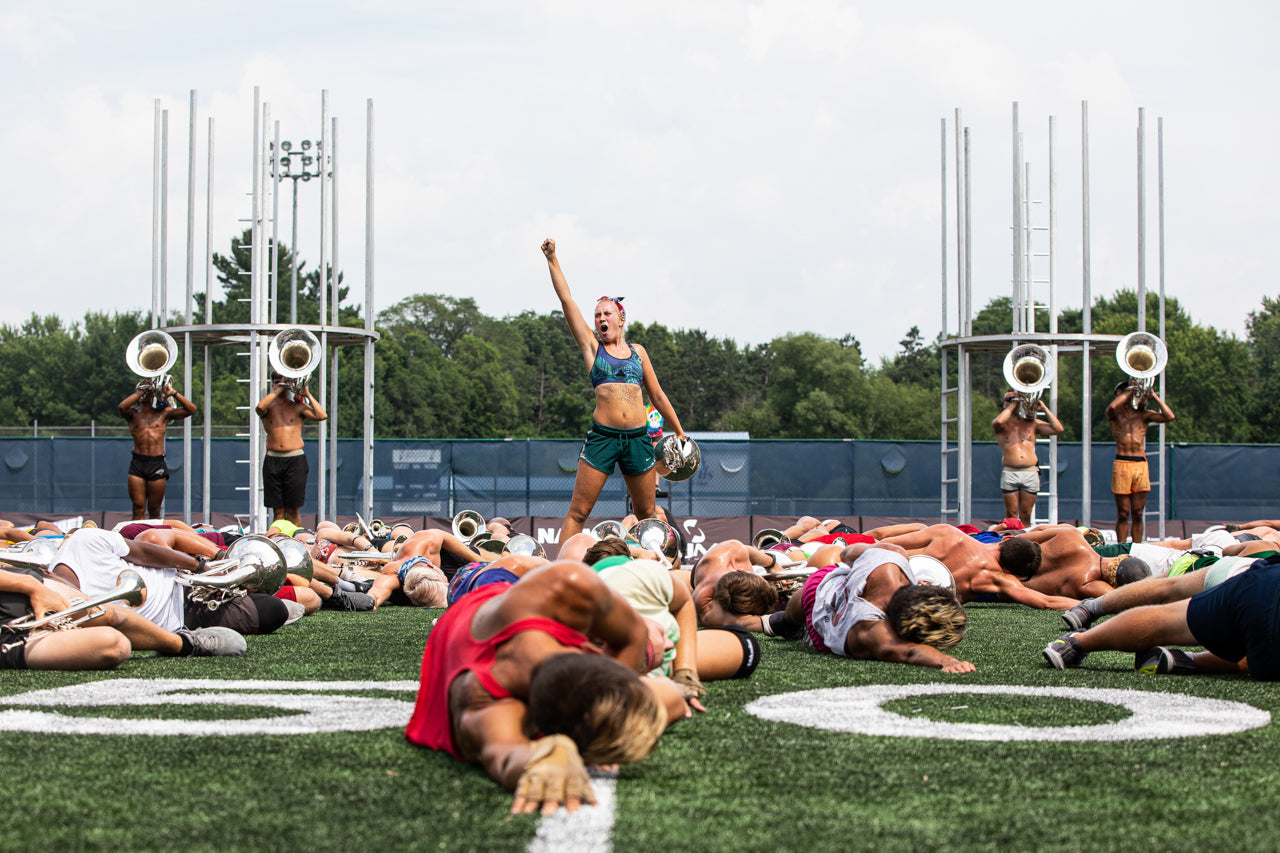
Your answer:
<point x="103" y="642"/>
<point x="558" y="655"/>
<point x="91" y="560"/>
<point x="1160" y="556"/>
<point x="662" y="598"/>
<point x="995" y="571"/>
<point x="719" y="602"/>
<point x="867" y="608"/>
<point x="1191" y="574"/>
<point x="1070" y="567"/>
<point x="1234" y="621"/>
<point x="417" y="568"/>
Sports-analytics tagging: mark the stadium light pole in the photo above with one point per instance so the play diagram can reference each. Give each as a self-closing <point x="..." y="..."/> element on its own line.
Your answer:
<point x="300" y="165"/>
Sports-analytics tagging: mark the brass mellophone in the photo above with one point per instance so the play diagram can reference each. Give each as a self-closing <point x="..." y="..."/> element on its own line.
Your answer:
<point x="129" y="588"/>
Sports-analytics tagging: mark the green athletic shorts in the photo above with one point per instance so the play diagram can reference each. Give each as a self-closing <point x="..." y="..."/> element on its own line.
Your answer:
<point x="629" y="449"/>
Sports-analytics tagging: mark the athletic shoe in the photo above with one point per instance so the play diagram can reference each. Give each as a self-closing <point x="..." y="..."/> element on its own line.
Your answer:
<point x="296" y="611"/>
<point x="351" y="601"/>
<point x="1164" y="661"/>
<point x="1064" y="652"/>
<point x="213" y="642"/>
<point x="1078" y="618"/>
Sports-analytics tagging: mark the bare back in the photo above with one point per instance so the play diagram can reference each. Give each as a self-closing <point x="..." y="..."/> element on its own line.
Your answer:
<point x="1068" y="566"/>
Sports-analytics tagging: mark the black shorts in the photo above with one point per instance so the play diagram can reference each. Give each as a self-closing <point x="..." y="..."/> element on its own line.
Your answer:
<point x="256" y="613"/>
<point x="284" y="481"/>
<point x="148" y="467"/>
<point x="13" y="605"/>
<point x="1240" y="618"/>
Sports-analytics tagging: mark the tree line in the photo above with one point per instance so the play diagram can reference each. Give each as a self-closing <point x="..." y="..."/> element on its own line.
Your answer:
<point x="444" y="369"/>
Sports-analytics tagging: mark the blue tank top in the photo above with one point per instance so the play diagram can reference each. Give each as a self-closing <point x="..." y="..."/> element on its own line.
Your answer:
<point x="606" y="368"/>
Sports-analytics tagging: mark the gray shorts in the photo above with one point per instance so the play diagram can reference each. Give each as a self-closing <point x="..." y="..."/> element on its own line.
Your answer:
<point x="1020" y="479"/>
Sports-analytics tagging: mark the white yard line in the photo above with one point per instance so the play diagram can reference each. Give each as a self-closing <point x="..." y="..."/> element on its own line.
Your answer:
<point x="588" y="830"/>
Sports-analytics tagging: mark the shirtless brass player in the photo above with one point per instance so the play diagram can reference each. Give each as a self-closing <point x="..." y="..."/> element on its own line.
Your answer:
<point x="148" y="415"/>
<point x="284" y="470"/>
<point x="1130" y="479"/>
<point x="1016" y="435"/>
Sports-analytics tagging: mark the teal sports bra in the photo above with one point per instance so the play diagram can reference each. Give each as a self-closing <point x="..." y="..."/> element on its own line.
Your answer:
<point x="606" y="368"/>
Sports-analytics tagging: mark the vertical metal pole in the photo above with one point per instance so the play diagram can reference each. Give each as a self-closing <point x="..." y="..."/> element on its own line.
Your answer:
<point x="164" y="222"/>
<point x="1017" y="223"/>
<point x="326" y="175"/>
<point x="257" y="512"/>
<point x="1053" y="315"/>
<point x="961" y="247"/>
<point x="942" y="385"/>
<point x="293" y="260"/>
<point x="207" y="449"/>
<point x="155" y="219"/>
<point x="965" y="422"/>
<point x="1164" y="488"/>
<point x="368" y="315"/>
<point x="1142" y="221"/>
<point x="189" y="307"/>
<point x="275" y="225"/>
<point x="333" y="390"/>
<point x="1086" y="368"/>
<point x="1028" y="247"/>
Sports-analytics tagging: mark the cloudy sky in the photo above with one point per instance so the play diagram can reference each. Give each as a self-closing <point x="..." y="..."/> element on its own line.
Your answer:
<point x="750" y="169"/>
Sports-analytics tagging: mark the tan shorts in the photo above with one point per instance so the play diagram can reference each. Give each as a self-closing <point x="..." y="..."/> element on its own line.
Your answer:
<point x="1128" y="477"/>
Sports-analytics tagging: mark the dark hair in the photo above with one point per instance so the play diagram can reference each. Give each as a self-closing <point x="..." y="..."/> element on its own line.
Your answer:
<point x="610" y="546"/>
<point x="602" y="706"/>
<point x="929" y="615"/>
<point x="745" y="594"/>
<point x="1132" y="569"/>
<point x="1019" y="557"/>
<point x="1120" y="386"/>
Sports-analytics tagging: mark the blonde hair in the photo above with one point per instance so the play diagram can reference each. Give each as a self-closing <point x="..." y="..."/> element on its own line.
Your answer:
<point x="605" y="708"/>
<point x="929" y="615"/>
<point x="426" y="586"/>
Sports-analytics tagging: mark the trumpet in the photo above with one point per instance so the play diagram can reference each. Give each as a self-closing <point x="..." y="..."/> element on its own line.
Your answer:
<point x="129" y="588"/>
<point x="1029" y="369"/>
<point x="1142" y="356"/>
<point x="294" y="354"/>
<point x="151" y="355"/>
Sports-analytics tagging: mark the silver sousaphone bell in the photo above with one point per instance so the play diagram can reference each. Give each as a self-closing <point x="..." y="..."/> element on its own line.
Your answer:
<point x="297" y="558"/>
<point x="525" y="545"/>
<point x="467" y="525"/>
<point x="151" y="355"/>
<point x="767" y="538"/>
<point x="294" y="354"/>
<point x="1029" y="369"/>
<point x="32" y="554"/>
<point x="610" y="528"/>
<point x="253" y="564"/>
<point x="678" y="459"/>
<point x="1142" y="356"/>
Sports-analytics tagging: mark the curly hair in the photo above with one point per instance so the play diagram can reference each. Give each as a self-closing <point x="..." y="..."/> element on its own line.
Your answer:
<point x="745" y="594"/>
<point x="1019" y="557"/>
<point x="929" y="615"/>
<point x="602" y="706"/>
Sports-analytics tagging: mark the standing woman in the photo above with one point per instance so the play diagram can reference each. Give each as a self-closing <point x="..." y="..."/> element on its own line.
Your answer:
<point x="618" y="434"/>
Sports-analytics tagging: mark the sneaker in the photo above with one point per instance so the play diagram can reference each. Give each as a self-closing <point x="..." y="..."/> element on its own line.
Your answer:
<point x="214" y="642"/>
<point x="296" y="611"/>
<point x="1078" y="618"/>
<point x="1064" y="652"/>
<point x="1164" y="661"/>
<point x="351" y="601"/>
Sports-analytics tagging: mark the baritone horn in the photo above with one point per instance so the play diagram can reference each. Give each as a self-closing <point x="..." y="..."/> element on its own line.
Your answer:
<point x="1029" y="369"/>
<point x="294" y="354"/>
<point x="1142" y="356"/>
<point x="151" y="355"/>
<point x="467" y="525"/>
<point x="129" y="589"/>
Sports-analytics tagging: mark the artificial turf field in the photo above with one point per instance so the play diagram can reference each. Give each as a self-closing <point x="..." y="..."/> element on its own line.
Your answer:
<point x="726" y="780"/>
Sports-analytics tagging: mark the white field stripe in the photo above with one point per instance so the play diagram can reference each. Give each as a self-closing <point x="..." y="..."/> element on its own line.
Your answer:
<point x="588" y="830"/>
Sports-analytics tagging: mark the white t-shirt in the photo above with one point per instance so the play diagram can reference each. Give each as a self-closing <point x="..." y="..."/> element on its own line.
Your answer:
<point x="838" y="604"/>
<point x="97" y="558"/>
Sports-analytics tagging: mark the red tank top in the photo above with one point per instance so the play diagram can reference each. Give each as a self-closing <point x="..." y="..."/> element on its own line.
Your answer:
<point x="451" y="651"/>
